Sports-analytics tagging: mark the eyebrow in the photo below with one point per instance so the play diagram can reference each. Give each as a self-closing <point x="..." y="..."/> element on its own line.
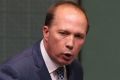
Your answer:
<point x="77" y="33"/>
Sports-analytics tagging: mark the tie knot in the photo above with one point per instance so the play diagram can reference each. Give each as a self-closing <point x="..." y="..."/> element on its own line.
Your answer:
<point x="60" y="73"/>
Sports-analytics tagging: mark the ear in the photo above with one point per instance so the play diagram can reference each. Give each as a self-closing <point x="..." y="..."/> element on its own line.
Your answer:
<point x="46" y="32"/>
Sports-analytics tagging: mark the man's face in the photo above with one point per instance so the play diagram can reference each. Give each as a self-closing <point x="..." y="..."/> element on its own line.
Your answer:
<point x="65" y="37"/>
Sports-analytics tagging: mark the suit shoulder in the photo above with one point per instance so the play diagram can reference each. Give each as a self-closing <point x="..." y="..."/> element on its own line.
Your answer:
<point x="21" y="58"/>
<point x="20" y="61"/>
<point x="22" y="66"/>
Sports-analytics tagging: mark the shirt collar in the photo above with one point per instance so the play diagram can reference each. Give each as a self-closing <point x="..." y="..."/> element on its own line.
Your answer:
<point x="51" y="66"/>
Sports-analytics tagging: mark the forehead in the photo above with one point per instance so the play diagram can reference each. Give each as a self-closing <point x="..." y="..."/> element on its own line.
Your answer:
<point x="67" y="16"/>
<point x="69" y="11"/>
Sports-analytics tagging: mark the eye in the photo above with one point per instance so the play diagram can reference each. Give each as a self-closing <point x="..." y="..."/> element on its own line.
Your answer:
<point x="79" y="36"/>
<point x="64" y="33"/>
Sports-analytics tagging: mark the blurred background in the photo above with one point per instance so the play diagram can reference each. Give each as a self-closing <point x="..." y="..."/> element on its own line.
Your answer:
<point x="21" y="22"/>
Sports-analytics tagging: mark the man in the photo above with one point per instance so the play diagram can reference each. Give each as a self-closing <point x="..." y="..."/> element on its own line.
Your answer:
<point x="64" y="34"/>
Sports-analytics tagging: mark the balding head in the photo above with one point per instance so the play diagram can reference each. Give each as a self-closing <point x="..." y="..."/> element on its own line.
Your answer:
<point x="63" y="5"/>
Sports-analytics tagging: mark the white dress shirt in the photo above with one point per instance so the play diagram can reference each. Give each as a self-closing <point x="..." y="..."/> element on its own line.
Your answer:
<point x="51" y="66"/>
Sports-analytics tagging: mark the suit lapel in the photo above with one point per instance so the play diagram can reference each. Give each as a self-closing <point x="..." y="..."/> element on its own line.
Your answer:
<point x="43" y="74"/>
<point x="69" y="72"/>
<point x="41" y="68"/>
<point x="73" y="72"/>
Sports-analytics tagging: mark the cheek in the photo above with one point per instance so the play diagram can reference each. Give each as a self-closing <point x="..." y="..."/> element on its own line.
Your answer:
<point x="81" y="42"/>
<point x="56" y="40"/>
<point x="78" y="45"/>
<point x="53" y="43"/>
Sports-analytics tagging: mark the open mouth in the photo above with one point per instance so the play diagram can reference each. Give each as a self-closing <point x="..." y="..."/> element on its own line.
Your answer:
<point x="67" y="56"/>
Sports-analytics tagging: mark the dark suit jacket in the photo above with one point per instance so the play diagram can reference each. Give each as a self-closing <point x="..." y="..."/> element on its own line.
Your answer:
<point x="29" y="65"/>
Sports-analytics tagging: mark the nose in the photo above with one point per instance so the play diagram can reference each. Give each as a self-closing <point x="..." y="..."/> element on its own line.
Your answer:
<point x="70" y="42"/>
